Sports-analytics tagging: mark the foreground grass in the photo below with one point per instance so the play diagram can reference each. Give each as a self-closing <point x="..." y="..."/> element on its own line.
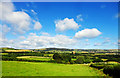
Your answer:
<point x="16" y="68"/>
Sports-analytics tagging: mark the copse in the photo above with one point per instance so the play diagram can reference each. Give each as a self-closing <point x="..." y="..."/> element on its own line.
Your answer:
<point x="80" y="60"/>
<point x="62" y="58"/>
<point x="112" y="70"/>
<point x="56" y="56"/>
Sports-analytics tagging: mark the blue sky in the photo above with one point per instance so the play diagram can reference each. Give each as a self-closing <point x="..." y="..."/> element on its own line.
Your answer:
<point x="83" y="25"/>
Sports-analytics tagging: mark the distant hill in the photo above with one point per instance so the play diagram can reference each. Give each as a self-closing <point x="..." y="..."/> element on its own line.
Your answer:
<point x="65" y="49"/>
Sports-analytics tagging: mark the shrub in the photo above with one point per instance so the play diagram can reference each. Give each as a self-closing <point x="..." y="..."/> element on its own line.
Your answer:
<point x="97" y="60"/>
<point x="108" y="70"/>
<point x="72" y="62"/>
<point x="112" y="70"/>
<point x="98" y="66"/>
<point x="56" y="56"/>
<point x="62" y="58"/>
<point x="87" y="61"/>
<point x="80" y="60"/>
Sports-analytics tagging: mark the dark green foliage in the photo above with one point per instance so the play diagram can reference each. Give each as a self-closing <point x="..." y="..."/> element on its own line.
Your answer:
<point x="108" y="70"/>
<point x="98" y="66"/>
<point x="109" y="57"/>
<point x="72" y="62"/>
<point x="97" y="60"/>
<point x="87" y="57"/>
<point x="3" y="50"/>
<point x="62" y="58"/>
<point x="114" y="59"/>
<point x="112" y="70"/>
<point x="66" y="57"/>
<point x="87" y="61"/>
<point x="13" y="57"/>
<point x="56" y="56"/>
<point x="80" y="60"/>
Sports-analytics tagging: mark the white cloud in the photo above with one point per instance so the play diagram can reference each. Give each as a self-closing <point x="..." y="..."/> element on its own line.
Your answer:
<point x="66" y="24"/>
<point x="37" y="26"/>
<point x="4" y="28"/>
<point x="97" y="44"/>
<point x="44" y="33"/>
<point x="33" y="11"/>
<point x="21" y="37"/>
<point x="46" y="41"/>
<point x="32" y="34"/>
<point x="35" y="41"/>
<point x="6" y="8"/>
<point x="87" y="33"/>
<point x="79" y="17"/>
<point x="19" y="20"/>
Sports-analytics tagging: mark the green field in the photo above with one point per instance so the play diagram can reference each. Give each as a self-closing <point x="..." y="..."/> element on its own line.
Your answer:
<point x="35" y="58"/>
<point x="16" y="68"/>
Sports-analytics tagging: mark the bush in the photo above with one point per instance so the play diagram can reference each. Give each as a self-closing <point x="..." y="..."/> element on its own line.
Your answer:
<point x="97" y="60"/>
<point x="87" y="61"/>
<point x="112" y="70"/>
<point x="56" y="56"/>
<point x="72" y="62"/>
<point x="62" y="58"/>
<point x="98" y="66"/>
<point x="108" y="70"/>
<point x="80" y="60"/>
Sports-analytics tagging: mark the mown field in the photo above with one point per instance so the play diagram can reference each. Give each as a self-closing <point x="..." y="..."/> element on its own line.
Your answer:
<point x="17" y="68"/>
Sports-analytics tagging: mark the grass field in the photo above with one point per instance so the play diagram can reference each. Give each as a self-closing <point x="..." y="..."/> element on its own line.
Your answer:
<point x="16" y="68"/>
<point x="35" y="58"/>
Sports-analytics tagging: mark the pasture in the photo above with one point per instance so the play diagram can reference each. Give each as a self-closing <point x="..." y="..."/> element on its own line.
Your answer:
<point x="17" y="68"/>
<point x="35" y="58"/>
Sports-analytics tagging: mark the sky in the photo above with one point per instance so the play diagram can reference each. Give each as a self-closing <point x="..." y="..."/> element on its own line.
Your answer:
<point x="76" y="25"/>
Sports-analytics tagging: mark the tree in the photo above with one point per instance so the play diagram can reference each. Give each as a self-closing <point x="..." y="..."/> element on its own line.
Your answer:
<point x="66" y="57"/>
<point x="87" y="61"/>
<point x="56" y="56"/>
<point x="62" y="58"/>
<point x="97" y="60"/>
<point x="112" y="70"/>
<point x="80" y="60"/>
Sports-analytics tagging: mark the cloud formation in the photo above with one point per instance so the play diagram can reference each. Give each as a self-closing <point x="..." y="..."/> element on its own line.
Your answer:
<point x="47" y="41"/>
<point x="35" y="41"/>
<point x="79" y="17"/>
<point x="88" y="33"/>
<point x="45" y="34"/>
<point x="19" y="20"/>
<point x="37" y="26"/>
<point x="66" y="24"/>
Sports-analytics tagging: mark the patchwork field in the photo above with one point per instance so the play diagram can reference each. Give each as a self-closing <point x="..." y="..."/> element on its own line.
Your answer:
<point x="16" y="68"/>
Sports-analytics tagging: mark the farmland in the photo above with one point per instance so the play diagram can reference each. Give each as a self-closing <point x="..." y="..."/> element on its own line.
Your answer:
<point x="59" y="62"/>
<point x="47" y="69"/>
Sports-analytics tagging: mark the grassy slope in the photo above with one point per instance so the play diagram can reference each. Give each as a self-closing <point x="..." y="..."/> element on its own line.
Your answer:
<point x="15" y="68"/>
